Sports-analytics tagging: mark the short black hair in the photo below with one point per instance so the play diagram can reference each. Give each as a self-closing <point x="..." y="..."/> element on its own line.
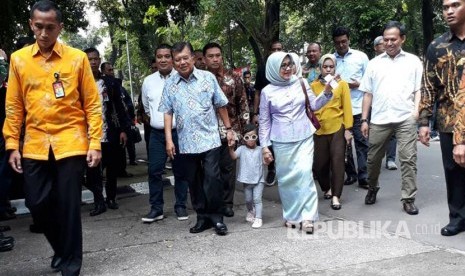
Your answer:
<point x="249" y="128"/>
<point x="209" y="46"/>
<point x="23" y="41"/>
<point x="179" y="46"/>
<point x="153" y="60"/>
<point x="45" y="6"/>
<point x="103" y="65"/>
<point x="395" y="24"/>
<point x="246" y="72"/>
<point x="92" y="50"/>
<point x="340" y="31"/>
<point x="163" y="46"/>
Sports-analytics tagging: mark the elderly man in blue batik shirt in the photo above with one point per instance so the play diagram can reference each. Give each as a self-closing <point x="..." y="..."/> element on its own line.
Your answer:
<point x="351" y="65"/>
<point x="194" y="96"/>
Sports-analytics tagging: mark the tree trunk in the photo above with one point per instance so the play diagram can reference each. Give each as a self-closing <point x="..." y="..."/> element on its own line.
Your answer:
<point x="427" y="20"/>
<point x="272" y="9"/>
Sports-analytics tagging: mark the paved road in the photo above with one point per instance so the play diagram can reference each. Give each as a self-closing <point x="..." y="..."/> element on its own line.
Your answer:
<point x="357" y="240"/>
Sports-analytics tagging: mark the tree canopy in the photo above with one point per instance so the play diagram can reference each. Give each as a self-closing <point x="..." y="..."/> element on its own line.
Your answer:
<point x="15" y="14"/>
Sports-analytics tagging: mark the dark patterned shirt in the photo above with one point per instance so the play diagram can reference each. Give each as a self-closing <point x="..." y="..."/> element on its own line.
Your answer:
<point x="444" y="63"/>
<point x="238" y="108"/>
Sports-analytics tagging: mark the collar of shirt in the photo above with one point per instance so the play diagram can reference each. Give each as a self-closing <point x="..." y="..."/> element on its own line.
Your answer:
<point x="57" y="49"/>
<point x="165" y="77"/>
<point x="385" y="55"/>
<point x="349" y="52"/>
<point x="194" y="74"/>
<point x="312" y="65"/>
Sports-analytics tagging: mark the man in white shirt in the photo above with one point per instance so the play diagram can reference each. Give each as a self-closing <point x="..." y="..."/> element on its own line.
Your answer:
<point x="392" y="83"/>
<point x="152" y="90"/>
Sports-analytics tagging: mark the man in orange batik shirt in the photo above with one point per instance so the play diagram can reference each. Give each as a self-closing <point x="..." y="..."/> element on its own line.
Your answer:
<point x="51" y="88"/>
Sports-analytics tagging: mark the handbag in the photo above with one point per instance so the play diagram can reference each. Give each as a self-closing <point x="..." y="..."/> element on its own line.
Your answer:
<point x="311" y="116"/>
<point x="135" y="134"/>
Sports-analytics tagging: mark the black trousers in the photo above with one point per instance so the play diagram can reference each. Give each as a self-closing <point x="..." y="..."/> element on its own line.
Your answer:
<point x="455" y="181"/>
<point x="110" y="153"/>
<point x="202" y="173"/>
<point x="228" y="175"/>
<point x="53" y="195"/>
<point x="147" y="129"/>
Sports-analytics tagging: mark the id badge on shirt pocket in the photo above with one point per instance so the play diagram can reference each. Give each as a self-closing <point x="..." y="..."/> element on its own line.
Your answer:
<point x="58" y="89"/>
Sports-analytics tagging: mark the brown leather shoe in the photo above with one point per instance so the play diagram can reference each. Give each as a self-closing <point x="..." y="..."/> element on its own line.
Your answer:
<point x="371" y="196"/>
<point x="410" y="208"/>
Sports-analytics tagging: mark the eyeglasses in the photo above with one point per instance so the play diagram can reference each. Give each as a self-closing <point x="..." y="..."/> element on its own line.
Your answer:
<point x="285" y="66"/>
<point x="328" y="66"/>
<point x="252" y="137"/>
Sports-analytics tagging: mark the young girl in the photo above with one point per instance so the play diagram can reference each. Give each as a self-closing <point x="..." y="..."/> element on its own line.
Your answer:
<point x="250" y="174"/>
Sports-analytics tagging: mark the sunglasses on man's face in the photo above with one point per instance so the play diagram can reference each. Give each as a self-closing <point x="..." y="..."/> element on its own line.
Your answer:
<point x="250" y="137"/>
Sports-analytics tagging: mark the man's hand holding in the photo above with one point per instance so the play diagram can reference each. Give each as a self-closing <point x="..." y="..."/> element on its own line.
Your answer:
<point x="424" y="134"/>
<point x="170" y="149"/>
<point x="459" y="155"/>
<point x="15" y="161"/>
<point x="93" y="158"/>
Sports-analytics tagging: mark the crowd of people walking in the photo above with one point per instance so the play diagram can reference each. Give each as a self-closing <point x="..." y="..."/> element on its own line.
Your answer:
<point x="65" y="119"/>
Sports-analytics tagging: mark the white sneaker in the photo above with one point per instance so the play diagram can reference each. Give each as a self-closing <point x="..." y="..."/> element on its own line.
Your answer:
<point x="391" y="165"/>
<point x="257" y="223"/>
<point x="435" y="138"/>
<point x="250" y="217"/>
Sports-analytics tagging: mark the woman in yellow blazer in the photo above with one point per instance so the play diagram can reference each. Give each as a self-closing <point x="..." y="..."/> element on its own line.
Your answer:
<point x="330" y="140"/>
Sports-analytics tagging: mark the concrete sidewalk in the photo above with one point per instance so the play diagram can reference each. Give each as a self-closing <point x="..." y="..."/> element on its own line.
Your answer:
<point x="118" y="243"/>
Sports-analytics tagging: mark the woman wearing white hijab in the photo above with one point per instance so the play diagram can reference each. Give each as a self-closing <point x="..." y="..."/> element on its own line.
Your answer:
<point x="285" y="125"/>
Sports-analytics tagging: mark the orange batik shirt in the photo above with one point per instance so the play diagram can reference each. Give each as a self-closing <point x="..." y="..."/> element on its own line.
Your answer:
<point x="70" y="125"/>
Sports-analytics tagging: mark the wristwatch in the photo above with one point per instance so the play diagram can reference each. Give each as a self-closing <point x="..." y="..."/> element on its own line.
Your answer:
<point x="364" y="121"/>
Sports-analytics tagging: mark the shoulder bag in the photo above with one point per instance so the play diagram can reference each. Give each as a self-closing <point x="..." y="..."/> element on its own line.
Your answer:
<point x="308" y="109"/>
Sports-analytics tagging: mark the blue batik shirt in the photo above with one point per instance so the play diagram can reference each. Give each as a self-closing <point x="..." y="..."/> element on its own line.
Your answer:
<point x="194" y="102"/>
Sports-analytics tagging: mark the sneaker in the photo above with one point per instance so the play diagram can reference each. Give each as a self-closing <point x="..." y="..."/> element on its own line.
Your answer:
<point x="257" y="223"/>
<point x="181" y="213"/>
<point x="435" y="138"/>
<point x="271" y="178"/>
<point x="391" y="165"/>
<point x="153" y="215"/>
<point x="250" y="217"/>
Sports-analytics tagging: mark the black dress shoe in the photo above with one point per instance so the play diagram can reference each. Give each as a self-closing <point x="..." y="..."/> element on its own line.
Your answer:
<point x="221" y="229"/>
<point x="98" y="209"/>
<point x="5" y="215"/>
<point x="200" y="226"/>
<point x="125" y="174"/>
<point x="350" y="180"/>
<point x="34" y="228"/>
<point x="228" y="212"/>
<point x="4" y="228"/>
<point x="111" y="203"/>
<point x="12" y="209"/>
<point x="56" y="262"/>
<point x="451" y="230"/>
<point x="410" y="208"/>
<point x="363" y="183"/>
<point x="371" y="196"/>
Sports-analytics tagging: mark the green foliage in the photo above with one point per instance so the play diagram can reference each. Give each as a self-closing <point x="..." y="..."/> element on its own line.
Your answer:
<point x="14" y="16"/>
<point x="92" y="38"/>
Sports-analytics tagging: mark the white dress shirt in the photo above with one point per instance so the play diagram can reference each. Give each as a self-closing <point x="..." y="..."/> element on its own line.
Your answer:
<point x="152" y="90"/>
<point x="393" y="83"/>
